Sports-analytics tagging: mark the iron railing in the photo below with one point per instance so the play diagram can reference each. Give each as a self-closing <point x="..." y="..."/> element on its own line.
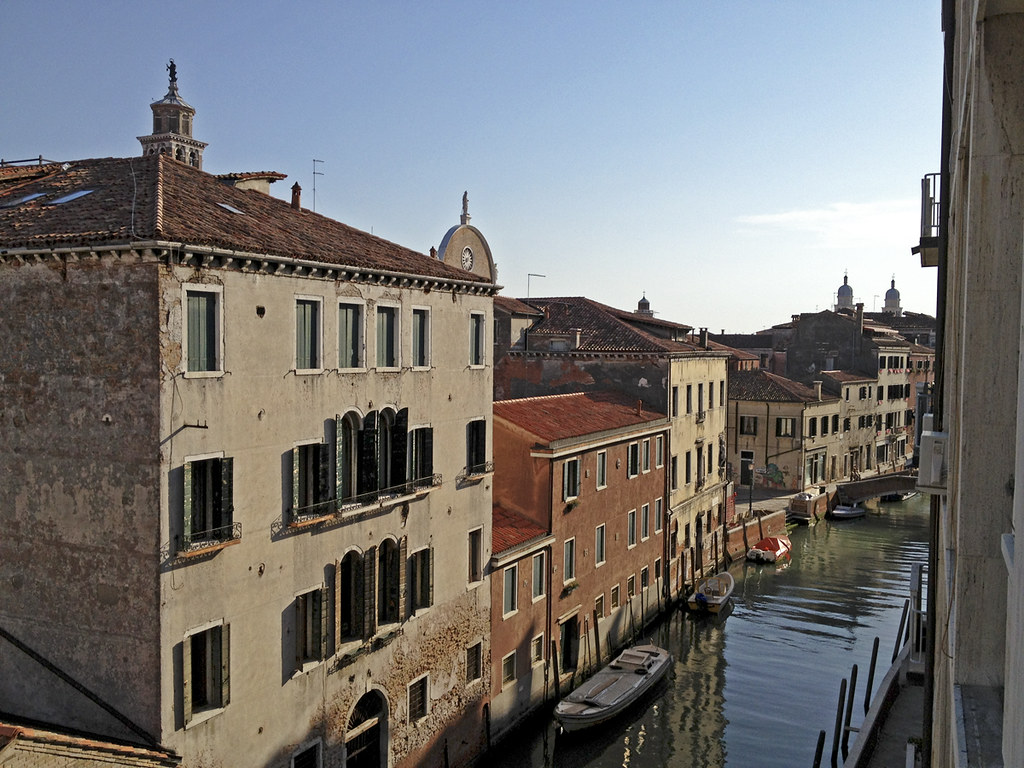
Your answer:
<point x="930" y="205"/>
<point x="195" y="540"/>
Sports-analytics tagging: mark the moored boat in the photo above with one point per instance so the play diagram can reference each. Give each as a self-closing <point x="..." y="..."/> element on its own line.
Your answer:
<point x="713" y="593"/>
<point x="847" y="512"/>
<point x="614" y="688"/>
<point x="770" y="549"/>
<point x="899" y="496"/>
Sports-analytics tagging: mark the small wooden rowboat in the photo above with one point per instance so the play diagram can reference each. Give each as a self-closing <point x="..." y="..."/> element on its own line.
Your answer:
<point x="614" y="688"/>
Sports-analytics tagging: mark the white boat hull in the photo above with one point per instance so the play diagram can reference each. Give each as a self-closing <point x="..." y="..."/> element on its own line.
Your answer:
<point x="613" y="689"/>
<point x="712" y="594"/>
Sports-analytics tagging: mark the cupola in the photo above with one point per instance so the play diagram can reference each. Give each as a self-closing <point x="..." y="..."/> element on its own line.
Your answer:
<point x="172" y="126"/>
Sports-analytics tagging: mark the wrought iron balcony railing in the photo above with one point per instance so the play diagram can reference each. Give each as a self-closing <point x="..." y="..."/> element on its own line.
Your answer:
<point x="194" y="541"/>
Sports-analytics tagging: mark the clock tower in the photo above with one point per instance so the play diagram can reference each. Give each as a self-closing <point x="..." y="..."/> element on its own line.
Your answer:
<point x="464" y="247"/>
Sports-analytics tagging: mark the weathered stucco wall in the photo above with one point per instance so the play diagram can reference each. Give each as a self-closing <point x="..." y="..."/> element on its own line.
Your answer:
<point x="79" y="506"/>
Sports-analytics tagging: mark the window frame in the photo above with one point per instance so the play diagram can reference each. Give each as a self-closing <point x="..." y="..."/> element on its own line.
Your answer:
<point x="748" y="425"/>
<point x="571" y="478"/>
<point x="220" y="500"/>
<point x="659" y="451"/>
<point x="477" y="339"/>
<point x="217" y="332"/>
<point x="538" y="589"/>
<point x="421" y="682"/>
<point x="475" y="555"/>
<point x="510" y="591"/>
<point x="631" y="529"/>
<point x="216" y="672"/>
<point x="645" y="455"/>
<point x="615" y="597"/>
<point x="420" y="339"/>
<point x="382" y="310"/>
<point x="659" y="512"/>
<point x="475" y="650"/>
<point x="785" y="426"/>
<point x="420" y="580"/>
<point x="316" y="338"/>
<point x="632" y="460"/>
<point x="600" y="545"/>
<point x="507" y="677"/>
<point x="569" y="560"/>
<point x="645" y="522"/>
<point x="311" y="617"/>
<point x="601" y="471"/>
<point x="358" y="339"/>
<point x="537" y="650"/>
<point x="476" y="447"/>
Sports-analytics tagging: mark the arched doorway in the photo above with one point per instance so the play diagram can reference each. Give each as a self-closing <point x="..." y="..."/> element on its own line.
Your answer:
<point x="366" y="735"/>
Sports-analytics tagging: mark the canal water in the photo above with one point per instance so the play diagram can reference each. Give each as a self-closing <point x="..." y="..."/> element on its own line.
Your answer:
<point x="754" y="687"/>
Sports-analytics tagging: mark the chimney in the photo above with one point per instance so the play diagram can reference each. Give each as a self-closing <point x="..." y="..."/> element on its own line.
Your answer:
<point x="433" y="252"/>
<point x="639" y="407"/>
<point x="578" y="333"/>
<point x="817" y="390"/>
<point x="860" y="317"/>
<point x="796" y="319"/>
<point x="704" y="337"/>
<point x="296" y="196"/>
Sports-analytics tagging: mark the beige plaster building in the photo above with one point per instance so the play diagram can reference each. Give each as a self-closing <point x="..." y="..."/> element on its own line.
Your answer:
<point x="247" y="462"/>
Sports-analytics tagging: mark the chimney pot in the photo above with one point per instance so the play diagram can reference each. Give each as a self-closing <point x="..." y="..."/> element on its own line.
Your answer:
<point x="296" y="196"/>
<point x="817" y="389"/>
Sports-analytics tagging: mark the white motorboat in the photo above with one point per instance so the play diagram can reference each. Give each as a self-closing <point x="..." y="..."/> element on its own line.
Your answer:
<point x="614" y="688"/>
<point x="770" y="549"/>
<point x="847" y="512"/>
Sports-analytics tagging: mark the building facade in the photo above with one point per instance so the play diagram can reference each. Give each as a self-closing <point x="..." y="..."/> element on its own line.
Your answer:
<point x="252" y="517"/>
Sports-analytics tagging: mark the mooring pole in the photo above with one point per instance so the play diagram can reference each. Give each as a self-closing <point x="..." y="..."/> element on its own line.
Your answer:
<point x="849" y="712"/>
<point x="819" y="750"/>
<point x="899" y="635"/>
<point x="839" y="724"/>
<point x="871" y="675"/>
<point x="597" y="639"/>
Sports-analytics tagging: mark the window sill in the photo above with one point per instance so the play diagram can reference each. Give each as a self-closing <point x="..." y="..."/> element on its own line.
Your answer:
<point x="198" y="718"/>
<point x="505" y="616"/>
<point x="360" y="369"/>
<point x="206" y="548"/>
<point x="203" y="374"/>
<point x="307" y="371"/>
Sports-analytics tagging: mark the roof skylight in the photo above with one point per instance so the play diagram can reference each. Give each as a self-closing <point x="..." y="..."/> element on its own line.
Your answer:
<point x="227" y="207"/>
<point x="25" y="199"/>
<point x="70" y="197"/>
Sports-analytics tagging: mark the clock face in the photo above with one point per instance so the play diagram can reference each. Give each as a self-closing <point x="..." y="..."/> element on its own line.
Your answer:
<point x="467" y="258"/>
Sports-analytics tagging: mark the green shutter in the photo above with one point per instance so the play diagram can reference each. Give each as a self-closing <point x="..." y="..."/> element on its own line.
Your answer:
<point x="303" y="334"/>
<point x="427" y="462"/>
<point x="225" y="665"/>
<point x="186" y="680"/>
<point x="320" y="623"/>
<point x="368" y="454"/>
<point x="369" y="592"/>
<point x="339" y="459"/>
<point x="430" y="554"/>
<point x="227" y="489"/>
<point x="324" y="474"/>
<point x="359" y="597"/>
<point x="336" y="605"/>
<point x="186" y="498"/>
<point x="403" y="567"/>
<point x="295" y="480"/>
<point x="399" y="448"/>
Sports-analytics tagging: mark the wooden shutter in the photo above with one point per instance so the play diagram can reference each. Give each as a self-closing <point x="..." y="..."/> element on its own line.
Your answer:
<point x="320" y="620"/>
<point x="225" y="665"/>
<point x="186" y="680"/>
<point x="428" y="452"/>
<point x="403" y="569"/>
<point x="227" y="494"/>
<point x="340" y="459"/>
<point x="337" y="604"/>
<point x="430" y="554"/>
<point x="186" y="497"/>
<point x="295" y="479"/>
<point x="299" y="615"/>
<point x="359" y="596"/>
<point x="369" y="592"/>
<point x="368" y="454"/>
<point x="324" y="483"/>
<point x="399" y="448"/>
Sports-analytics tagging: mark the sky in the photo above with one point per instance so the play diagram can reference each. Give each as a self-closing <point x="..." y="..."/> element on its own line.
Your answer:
<point x="730" y="160"/>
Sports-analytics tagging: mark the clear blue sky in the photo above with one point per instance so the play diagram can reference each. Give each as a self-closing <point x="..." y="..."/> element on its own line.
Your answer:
<point x="730" y="159"/>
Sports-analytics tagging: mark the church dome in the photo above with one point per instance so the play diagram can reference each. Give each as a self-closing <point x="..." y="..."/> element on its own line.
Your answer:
<point x="892" y="293"/>
<point x="845" y="289"/>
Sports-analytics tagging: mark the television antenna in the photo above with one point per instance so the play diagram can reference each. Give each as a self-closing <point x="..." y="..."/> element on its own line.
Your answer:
<point x="315" y="174"/>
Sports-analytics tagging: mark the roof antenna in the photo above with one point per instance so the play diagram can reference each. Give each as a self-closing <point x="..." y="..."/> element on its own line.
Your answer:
<point x="315" y="174"/>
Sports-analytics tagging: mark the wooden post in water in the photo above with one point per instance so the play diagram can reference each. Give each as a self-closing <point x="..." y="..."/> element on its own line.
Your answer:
<point x="819" y="750"/>
<point x="871" y="675"/>
<point x="839" y="724"/>
<point x="899" y="635"/>
<point x="849" y="712"/>
<point x="597" y="640"/>
<point x="554" y="663"/>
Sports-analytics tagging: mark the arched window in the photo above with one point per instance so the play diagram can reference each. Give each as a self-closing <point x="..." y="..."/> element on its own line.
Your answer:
<point x="367" y="747"/>
<point x="388" y="570"/>
<point x="350" y="596"/>
<point x="346" y="460"/>
<point x="179" y="154"/>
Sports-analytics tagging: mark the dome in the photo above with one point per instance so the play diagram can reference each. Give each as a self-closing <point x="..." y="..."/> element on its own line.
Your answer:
<point x="844" y="296"/>
<point x="892" y="293"/>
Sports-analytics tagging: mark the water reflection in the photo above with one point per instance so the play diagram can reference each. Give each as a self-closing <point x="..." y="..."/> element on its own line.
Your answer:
<point x="755" y="685"/>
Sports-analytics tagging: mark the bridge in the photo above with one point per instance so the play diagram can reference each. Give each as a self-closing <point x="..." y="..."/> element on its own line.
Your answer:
<point x="879" y="485"/>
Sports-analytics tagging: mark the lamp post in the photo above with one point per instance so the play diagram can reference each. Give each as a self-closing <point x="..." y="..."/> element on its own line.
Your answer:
<point x="750" y="487"/>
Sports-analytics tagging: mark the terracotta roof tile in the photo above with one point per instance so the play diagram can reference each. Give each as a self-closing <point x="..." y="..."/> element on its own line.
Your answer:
<point x="557" y="417"/>
<point x="762" y="386"/>
<point x="510" y="530"/>
<point x="158" y="198"/>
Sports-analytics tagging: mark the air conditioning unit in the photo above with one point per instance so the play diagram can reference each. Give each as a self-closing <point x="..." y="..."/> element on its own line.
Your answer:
<point x="933" y="463"/>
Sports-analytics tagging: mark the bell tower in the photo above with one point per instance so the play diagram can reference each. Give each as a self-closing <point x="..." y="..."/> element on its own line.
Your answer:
<point x="172" y="126"/>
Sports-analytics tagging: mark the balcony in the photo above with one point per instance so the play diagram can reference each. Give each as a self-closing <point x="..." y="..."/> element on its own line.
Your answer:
<point x="475" y="473"/>
<point x="928" y="247"/>
<point x="197" y="543"/>
<point x="333" y="510"/>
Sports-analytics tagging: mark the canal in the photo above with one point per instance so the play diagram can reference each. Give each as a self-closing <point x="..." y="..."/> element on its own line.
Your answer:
<point x="754" y="687"/>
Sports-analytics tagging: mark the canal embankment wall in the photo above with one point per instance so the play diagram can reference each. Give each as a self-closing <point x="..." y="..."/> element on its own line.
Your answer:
<point x="747" y="531"/>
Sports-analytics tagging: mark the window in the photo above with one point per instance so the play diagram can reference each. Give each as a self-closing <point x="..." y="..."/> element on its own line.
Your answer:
<point x="633" y="460"/>
<point x="824" y="425"/>
<point x="539" y="576"/>
<point x="700" y="398"/>
<point x="474" y="662"/>
<point x="599" y="544"/>
<point x="308" y="757"/>
<point x="785" y="427"/>
<point x="205" y="671"/>
<point x="312" y="486"/>
<point x="421" y="579"/>
<point x="477" y="338"/>
<point x="658" y="512"/>
<point x="307" y="334"/>
<point x="659" y="451"/>
<point x="537" y="649"/>
<point x="675" y="473"/>
<point x="615" y="597"/>
<point x="310" y="627"/>
<point x="510" y="601"/>
<point x="350" y="336"/>
<point x="602" y="470"/>
<point x="645" y="522"/>
<point x="675" y="401"/>
<point x="835" y="424"/>
<point x="689" y="468"/>
<point x="599" y="606"/>
<point x="418" y="699"/>
<point x="645" y="454"/>
<point x="207" y="502"/>
<point x="420" y="338"/>
<point x="657" y="569"/>
<point x="645" y="577"/>
<point x="711" y="395"/>
<point x="421" y="456"/>
<point x="476" y="555"/>
<point x="202" y="331"/>
<point x="389" y="566"/>
<point x="631" y="587"/>
<point x="748" y="425"/>
<point x="631" y="528"/>
<point x="689" y="398"/>
<point x="812" y="427"/>
<point x="570" y="479"/>
<point x="721" y="393"/>
<point x="508" y="669"/>
<point x="569" y="560"/>
<point x="387" y="337"/>
<point x="476" y="447"/>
